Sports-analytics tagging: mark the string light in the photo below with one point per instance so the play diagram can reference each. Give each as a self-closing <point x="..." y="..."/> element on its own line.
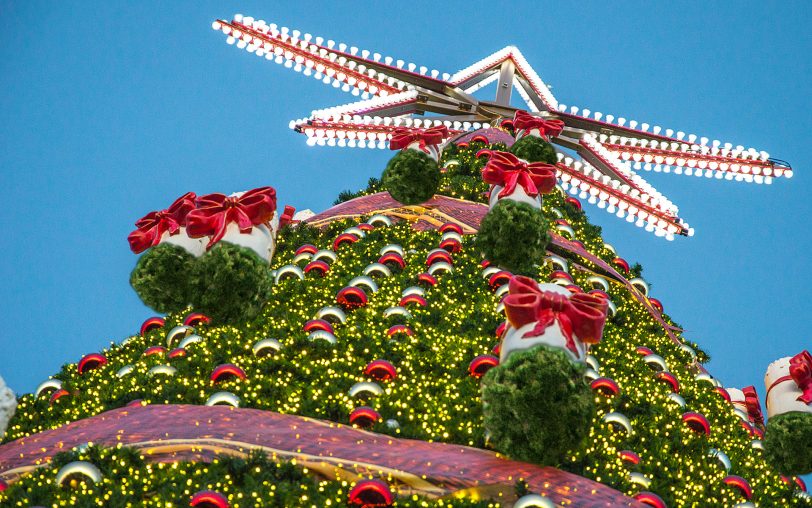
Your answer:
<point x="431" y="398"/>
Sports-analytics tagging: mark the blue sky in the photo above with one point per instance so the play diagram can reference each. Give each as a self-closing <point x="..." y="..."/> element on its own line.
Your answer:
<point x="110" y="111"/>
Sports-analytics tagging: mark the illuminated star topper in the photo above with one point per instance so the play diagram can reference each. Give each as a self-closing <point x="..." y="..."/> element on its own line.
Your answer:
<point x="394" y="94"/>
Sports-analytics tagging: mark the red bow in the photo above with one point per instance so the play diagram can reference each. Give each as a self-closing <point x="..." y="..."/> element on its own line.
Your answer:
<point x="581" y="313"/>
<point x="753" y="405"/>
<point x="403" y="137"/>
<point x="154" y="224"/>
<point x="527" y="122"/>
<point x="287" y="216"/>
<point x="800" y="369"/>
<point x="216" y="211"/>
<point x="507" y="170"/>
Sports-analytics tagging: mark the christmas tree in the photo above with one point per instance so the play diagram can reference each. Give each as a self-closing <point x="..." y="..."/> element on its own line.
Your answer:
<point x="455" y="334"/>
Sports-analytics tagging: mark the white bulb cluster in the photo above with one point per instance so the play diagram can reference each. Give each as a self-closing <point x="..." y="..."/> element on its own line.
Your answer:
<point x="609" y="194"/>
<point x="670" y="137"/>
<point x="361" y="107"/>
<point x="367" y="131"/>
<point x="647" y="192"/>
<point x="534" y="79"/>
<point x="681" y="158"/>
<point x="521" y="64"/>
<point x="295" y="50"/>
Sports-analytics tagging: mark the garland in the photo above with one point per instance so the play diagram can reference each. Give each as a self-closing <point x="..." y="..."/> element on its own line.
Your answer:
<point x="231" y="283"/>
<point x="514" y="236"/>
<point x="164" y="277"/>
<point x="128" y="480"/>
<point x="534" y="149"/>
<point x="411" y="177"/>
<point x="537" y="406"/>
<point x="788" y="443"/>
<point x="433" y="397"/>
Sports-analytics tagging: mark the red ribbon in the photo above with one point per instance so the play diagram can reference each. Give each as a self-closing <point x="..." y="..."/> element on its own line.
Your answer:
<point x="800" y="370"/>
<point x="581" y="314"/>
<point x="403" y="137"/>
<point x="507" y="170"/>
<point x="287" y="216"/>
<point x="527" y="122"/>
<point x="216" y="211"/>
<point x="753" y="405"/>
<point x="154" y="224"/>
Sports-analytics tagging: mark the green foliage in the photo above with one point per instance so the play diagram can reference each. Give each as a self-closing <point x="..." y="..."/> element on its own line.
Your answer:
<point x="373" y="185"/>
<point x="128" y="480"/>
<point x="460" y="177"/>
<point x="411" y="177"/>
<point x="514" y="236"/>
<point x="232" y="283"/>
<point x="702" y="356"/>
<point x="433" y="398"/>
<point x="537" y="405"/>
<point x="788" y="443"/>
<point x="163" y="278"/>
<point x="534" y="149"/>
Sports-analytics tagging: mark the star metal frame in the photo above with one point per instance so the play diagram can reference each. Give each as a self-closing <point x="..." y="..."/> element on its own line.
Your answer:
<point x="395" y="94"/>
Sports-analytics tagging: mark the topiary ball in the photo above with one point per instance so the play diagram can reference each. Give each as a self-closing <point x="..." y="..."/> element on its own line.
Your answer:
<point x="163" y="278"/>
<point x="534" y="149"/>
<point x="411" y="177"/>
<point x="232" y="283"/>
<point x="537" y="405"/>
<point x="514" y="236"/>
<point x="788" y="443"/>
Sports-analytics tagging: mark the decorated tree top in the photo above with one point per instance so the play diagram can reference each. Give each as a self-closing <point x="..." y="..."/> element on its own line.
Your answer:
<point x="456" y="334"/>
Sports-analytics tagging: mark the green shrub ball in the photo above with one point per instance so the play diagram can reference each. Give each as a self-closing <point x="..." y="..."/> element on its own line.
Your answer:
<point x="537" y="405"/>
<point x="163" y="278"/>
<point x="514" y="236"/>
<point x="534" y="149"/>
<point x="233" y="282"/>
<point x="788" y="443"/>
<point x="411" y="177"/>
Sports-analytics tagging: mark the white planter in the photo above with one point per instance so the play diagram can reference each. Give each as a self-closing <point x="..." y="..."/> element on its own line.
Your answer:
<point x="194" y="246"/>
<point x="513" y="339"/>
<point x="433" y="150"/>
<point x="536" y="133"/>
<point x="8" y="405"/>
<point x="737" y="398"/>
<point x="259" y="240"/>
<point x="782" y="395"/>
<point x="518" y="195"/>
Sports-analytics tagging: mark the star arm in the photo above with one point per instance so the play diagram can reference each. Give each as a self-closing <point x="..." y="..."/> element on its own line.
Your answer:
<point x="532" y="88"/>
<point x="366" y="132"/>
<point x="362" y="73"/>
<point x="607" y="163"/>
<point x="616" y="197"/>
<point x="675" y="152"/>
<point x="332" y="65"/>
<point x="683" y="158"/>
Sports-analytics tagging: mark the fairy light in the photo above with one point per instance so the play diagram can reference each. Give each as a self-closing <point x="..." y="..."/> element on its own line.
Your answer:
<point x="432" y="397"/>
